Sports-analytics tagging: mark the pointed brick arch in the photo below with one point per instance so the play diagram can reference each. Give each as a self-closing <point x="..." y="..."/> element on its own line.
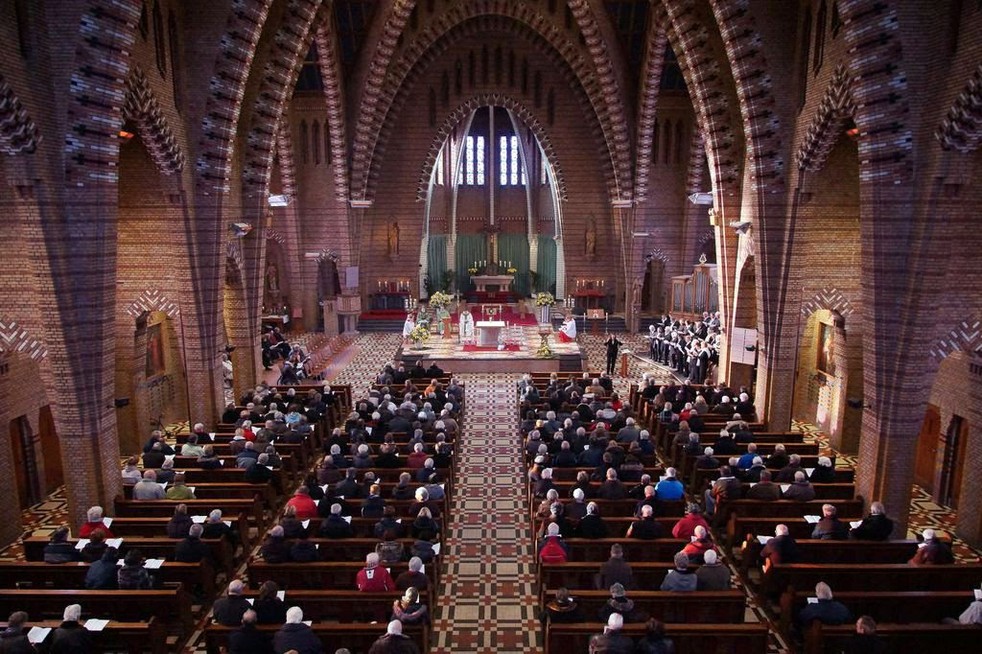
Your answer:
<point x="837" y="107"/>
<point x="377" y="104"/>
<point x="153" y="300"/>
<point x="460" y="113"/>
<point x="961" y="128"/>
<point x="966" y="337"/>
<point x="654" y="64"/>
<point x="232" y="65"/>
<point x="15" y="339"/>
<point x="144" y="110"/>
<point x="829" y="298"/>
<point x="330" y="68"/>
<point x="762" y="126"/>
<point x="96" y="90"/>
<point x="18" y="132"/>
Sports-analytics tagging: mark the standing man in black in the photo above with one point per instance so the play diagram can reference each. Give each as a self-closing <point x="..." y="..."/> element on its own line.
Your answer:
<point x="613" y="345"/>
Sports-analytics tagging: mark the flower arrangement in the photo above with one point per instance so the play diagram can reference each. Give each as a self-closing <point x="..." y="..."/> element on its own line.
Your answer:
<point x="511" y="270"/>
<point x="419" y="334"/>
<point x="440" y="300"/>
<point x="472" y="270"/>
<point x="544" y="299"/>
<point x="544" y="351"/>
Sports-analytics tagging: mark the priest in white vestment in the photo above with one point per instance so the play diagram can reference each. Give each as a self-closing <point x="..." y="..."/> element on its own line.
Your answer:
<point x="408" y="326"/>
<point x="567" y="333"/>
<point x="466" y="324"/>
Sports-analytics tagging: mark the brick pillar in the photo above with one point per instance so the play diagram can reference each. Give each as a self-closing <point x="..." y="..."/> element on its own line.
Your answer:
<point x="10" y="519"/>
<point x="76" y="242"/>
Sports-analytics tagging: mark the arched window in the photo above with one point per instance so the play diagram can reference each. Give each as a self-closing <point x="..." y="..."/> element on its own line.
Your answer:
<point x="836" y="20"/>
<point x="537" y="90"/>
<point x="551" y="107"/>
<point x="159" y="47"/>
<point x="510" y="168"/>
<point x="304" y="143"/>
<point x="438" y="169"/>
<point x="472" y="171"/>
<point x="819" y="37"/>
<point x="666" y="137"/>
<point x="679" y="140"/>
<point x="144" y="23"/>
<point x="432" y="107"/>
<point x="23" y="17"/>
<point x="654" y="143"/>
<point x="175" y="59"/>
<point x="315" y="141"/>
<point x="445" y="89"/>
<point x="327" y="144"/>
<point x="806" y="38"/>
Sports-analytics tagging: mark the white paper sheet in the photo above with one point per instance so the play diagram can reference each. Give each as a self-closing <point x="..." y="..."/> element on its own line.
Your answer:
<point x="94" y="624"/>
<point x="38" y="634"/>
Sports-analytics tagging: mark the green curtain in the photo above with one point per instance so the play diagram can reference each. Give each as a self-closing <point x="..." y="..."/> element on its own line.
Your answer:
<point x="547" y="264"/>
<point x="515" y="248"/>
<point x="470" y="248"/>
<point x="436" y="256"/>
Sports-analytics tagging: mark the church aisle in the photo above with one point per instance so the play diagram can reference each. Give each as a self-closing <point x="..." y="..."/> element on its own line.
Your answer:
<point x="487" y="599"/>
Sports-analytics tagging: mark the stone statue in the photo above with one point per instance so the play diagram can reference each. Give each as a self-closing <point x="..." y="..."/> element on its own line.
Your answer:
<point x="591" y="239"/>
<point x="636" y="292"/>
<point x="272" y="277"/>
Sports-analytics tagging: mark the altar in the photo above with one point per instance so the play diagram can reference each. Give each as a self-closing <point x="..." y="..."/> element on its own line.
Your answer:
<point x="488" y="332"/>
<point x="499" y="282"/>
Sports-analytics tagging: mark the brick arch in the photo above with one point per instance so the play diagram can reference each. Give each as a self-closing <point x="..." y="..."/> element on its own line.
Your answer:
<point x="153" y="300"/>
<point x="748" y="65"/>
<point x="228" y="83"/>
<point x="96" y="90"/>
<point x="882" y="110"/>
<point x="460" y="113"/>
<point x="476" y="26"/>
<point x="144" y="110"/>
<point x="654" y="64"/>
<point x="961" y="128"/>
<point x="965" y="337"/>
<point x="691" y="41"/>
<point x="15" y="339"/>
<point x="18" y="132"/>
<point x="837" y="107"/>
<point x="331" y="75"/>
<point x="379" y="100"/>
<point x="829" y="298"/>
<point x="279" y="75"/>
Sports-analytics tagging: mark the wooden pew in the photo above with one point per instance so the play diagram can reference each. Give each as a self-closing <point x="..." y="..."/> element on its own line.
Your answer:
<point x="344" y="605"/>
<point x="839" y="551"/>
<point x="704" y="606"/>
<point x="886" y="606"/>
<point x="72" y="575"/>
<point x="625" y="508"/>
<point x="230" y="508"/>
<point x="323" y="575"/>
<point x="156" y="527"/>
<point x="170" y="604"/>
<point x="787" y="509"/>
<point x="581" y="575"/>
<point x="358" y="637"/>
<point x="750" y="638"/>
<point x="923" y="637"/>
<point x="598" y="549"/>
<point x="155" y="547"/>
<point x="221" y="491"/>
<point x="702" y="477"/>
<point x="882" y="576"/>
<point x="131" y="637"/>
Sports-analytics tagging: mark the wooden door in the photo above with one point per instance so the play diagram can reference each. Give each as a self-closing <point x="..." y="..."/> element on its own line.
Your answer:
<point x="25" y="466"/>
<point x="954" y="460"/>
<point x="54" y="475"/>
<point x="927" y="449"/>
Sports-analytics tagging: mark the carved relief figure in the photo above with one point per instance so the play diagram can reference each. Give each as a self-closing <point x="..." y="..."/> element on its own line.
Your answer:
<point x="591" y="239"/>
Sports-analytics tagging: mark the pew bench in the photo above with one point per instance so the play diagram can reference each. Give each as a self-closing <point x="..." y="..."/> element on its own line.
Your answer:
<point x="64" y="576"/>
<point x="749" y="638"/>
<point x="697" y="607"/>
<point x="130" y="637"/>
<point x="862" y="576"/>
<point x="152" y="547"/>
<point x="358" y="637"/>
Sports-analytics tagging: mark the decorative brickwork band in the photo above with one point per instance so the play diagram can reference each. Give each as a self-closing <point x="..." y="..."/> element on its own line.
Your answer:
<point x="18" y="133"/>
<point x="837" y="107"/>
<point x="828" y="298"/>
<point x="657" y="41"/>
<point x="153" y="300"/>
<point x="142" y="108"/>
<point x="271" y="234"/>
<point x="880" y="89"/>
<point x="967" y="337"/>
<point x="961" y="128"/>
<point x="656" y="255"/>
<point x="238" y="47"/>
<point x="14" y="339"/>
<point x="459" y="114"/>
<point x="107" y="33"/>
<point x="330" y="67"/>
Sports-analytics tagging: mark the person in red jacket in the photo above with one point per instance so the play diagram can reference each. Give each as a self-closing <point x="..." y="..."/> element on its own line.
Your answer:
<point x="686" y="526"/>
<point x="93" y="522"/>
<point x="305" y="505"/>
<point x="373" y="578"/>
